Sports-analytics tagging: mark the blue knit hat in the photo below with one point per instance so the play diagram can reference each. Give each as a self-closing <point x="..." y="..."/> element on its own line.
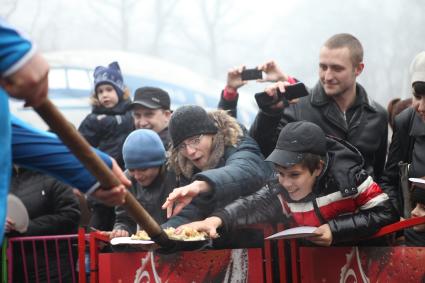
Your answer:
<point x="109" y="75"/>
<point x="142" y="149"/>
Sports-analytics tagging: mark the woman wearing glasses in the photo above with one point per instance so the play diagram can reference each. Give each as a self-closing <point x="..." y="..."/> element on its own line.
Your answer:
<point x="215" y="162"/>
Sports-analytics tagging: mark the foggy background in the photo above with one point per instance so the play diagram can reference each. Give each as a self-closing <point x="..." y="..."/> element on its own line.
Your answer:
<point x="211" y="36"/>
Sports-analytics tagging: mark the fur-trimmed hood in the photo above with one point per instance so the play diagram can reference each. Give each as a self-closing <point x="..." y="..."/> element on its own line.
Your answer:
<point x="228" y="135"/>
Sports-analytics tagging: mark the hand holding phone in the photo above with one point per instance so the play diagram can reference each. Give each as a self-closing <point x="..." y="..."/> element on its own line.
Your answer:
<point x="293" y="91"/>
<point x="251" y="74"/>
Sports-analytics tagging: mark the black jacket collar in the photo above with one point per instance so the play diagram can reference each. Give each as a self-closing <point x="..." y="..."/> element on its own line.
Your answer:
<point x="319" y="97"/>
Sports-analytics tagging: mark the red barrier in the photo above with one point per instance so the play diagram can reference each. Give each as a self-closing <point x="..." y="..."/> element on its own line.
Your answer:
<point x="361" y="264"/>
<point x="42" y="258"/>
<point x="237" y="265"/>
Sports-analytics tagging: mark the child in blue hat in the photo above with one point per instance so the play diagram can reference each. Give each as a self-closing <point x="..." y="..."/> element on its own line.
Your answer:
<point x="106" y="128"/>
<point x="145" y="161"/>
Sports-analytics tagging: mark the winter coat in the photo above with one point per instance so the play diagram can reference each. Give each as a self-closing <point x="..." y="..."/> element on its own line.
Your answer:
<point x="344" y="196"/>
<point x="53" y="209"/>
<point x="407" y="145"/>
<point x="165" y="138"/>
<point x="151" y="198"/>
<point x="367" y="127"/>
<point x="107" y="128"/>
<point x="52" y="206"/>
<point x="236" y="168"/>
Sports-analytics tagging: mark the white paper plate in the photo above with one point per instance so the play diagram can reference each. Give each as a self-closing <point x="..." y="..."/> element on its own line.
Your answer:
<point x="293" y="233"/>
<point x="17" y="211"/>
<point x="129" y="241"/>
<point x="417" y="180"/>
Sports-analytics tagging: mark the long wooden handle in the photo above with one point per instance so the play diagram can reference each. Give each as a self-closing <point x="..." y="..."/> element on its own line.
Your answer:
<point x="82" y="150"/>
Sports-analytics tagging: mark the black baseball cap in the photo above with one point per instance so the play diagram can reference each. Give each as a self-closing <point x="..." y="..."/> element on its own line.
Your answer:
<point x="151" y="97"/>
<point x="295" y="140"/>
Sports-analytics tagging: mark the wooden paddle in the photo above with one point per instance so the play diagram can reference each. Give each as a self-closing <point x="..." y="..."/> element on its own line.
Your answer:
<point x="82" y="150"/>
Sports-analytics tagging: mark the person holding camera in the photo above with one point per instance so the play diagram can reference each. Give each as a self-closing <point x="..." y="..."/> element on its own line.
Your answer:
<point x="337" y="103"/>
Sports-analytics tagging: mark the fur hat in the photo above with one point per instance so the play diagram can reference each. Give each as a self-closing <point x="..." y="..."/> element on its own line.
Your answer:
<point x="188" y="121"/>
<point x="143" y="149"/>
<point x="109" y="75"/>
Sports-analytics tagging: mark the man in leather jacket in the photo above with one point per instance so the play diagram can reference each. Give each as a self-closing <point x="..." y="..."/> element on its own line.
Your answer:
<point x="321" y="183"/>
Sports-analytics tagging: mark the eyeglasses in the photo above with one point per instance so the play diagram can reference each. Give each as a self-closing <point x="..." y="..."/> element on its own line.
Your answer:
<point x="192" y="143"/>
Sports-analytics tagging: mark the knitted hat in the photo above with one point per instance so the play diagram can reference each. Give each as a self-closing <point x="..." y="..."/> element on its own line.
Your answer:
<point x="188" y="121"/>
<point x="143" y="149"/>
<point x="152" y="98"/>
<point x="109" y="75"/>
<point x="417" y="68"/>
<point x="295" y="140"/>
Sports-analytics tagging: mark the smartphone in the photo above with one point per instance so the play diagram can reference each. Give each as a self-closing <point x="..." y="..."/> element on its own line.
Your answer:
<point x="265" y="100"/>
<point x="251" y="74"/>
<point x="293" y="91"/>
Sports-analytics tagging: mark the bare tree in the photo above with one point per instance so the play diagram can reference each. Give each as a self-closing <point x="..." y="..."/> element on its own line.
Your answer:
<point x="163" y="10"/>
<point x="216" y="25"/>
<point x="8" y="7"/>
<point x="113" y="27"/>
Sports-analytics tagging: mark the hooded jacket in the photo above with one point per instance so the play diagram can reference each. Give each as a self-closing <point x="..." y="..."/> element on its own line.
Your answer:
<point x="344" y="196"/>
<point x="236" y="168"/>
<point x="364" y="125"/>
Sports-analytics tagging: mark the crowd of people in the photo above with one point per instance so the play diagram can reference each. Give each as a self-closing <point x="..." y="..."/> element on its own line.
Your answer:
<point x="322" y="160"/>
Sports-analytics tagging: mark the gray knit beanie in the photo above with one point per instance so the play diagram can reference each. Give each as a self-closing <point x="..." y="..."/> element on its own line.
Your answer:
<point x="142" y="149"/>
<point x="188" y="121"/>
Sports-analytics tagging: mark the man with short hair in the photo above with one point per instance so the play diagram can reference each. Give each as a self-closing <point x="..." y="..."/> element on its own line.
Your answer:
<point x="151" y="110"/>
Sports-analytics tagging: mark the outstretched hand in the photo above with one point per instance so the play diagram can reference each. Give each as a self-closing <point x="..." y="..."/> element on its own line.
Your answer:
<point x="118" y="233"/>
<point x="116" y="195"/>
<point x="208" y="225"/>
<point x="180" y="197"/>
<point x="273" y="73"/>
<point x="234" y="79"/>
<point x="9" y="226"/>
<point x="272" y="91"/>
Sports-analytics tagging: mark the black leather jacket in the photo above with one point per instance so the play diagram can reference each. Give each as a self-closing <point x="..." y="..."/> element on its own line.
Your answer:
<point x="342" y="173"/>
<point x="367" y="128"/>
